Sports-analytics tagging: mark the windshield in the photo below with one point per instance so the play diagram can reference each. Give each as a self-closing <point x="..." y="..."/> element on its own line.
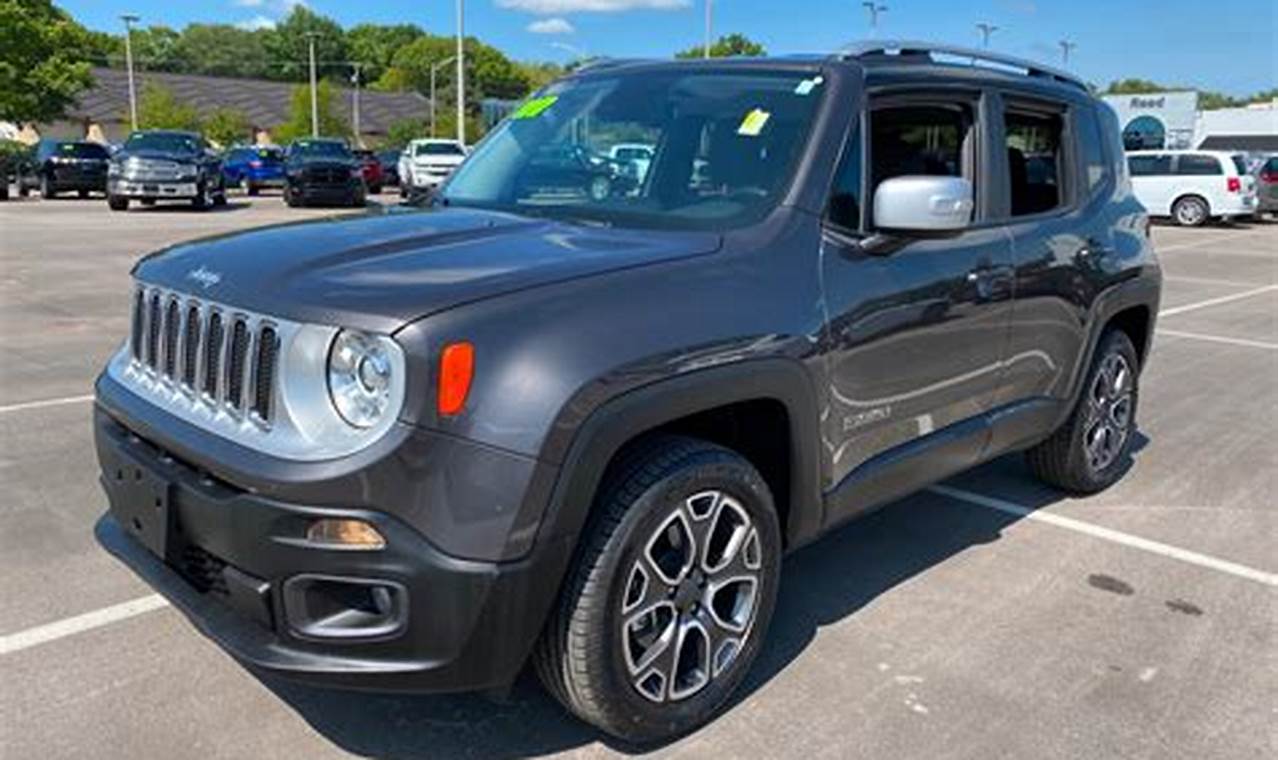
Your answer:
<point x="724" y="146"/>
<point x="320" y="149"/>
<point x="439" y="149"/>
<point x="81" y="150"/>
<point x="164" y="142"/>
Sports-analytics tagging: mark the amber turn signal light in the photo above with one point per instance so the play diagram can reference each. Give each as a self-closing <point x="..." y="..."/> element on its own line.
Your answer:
<point x="456" y="370"/>
<point x="335" y="533"/>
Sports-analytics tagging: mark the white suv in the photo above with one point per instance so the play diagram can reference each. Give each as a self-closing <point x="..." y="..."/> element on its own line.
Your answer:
<point x="1193" y="186"/>
<point x="425" y="164"/>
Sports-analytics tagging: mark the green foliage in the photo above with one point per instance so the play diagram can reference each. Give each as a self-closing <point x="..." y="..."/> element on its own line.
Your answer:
<point x="158" y="109"/>
<point x="375" y="45"/>
<point x="227" y="126"/>
<point x="1265" y="96"/>
<point x="289" y="49"/>
<point x="299" y="115"/>
<point x="540" y="74"/>
<point x="1208" y="100"/>
<point x="728" y="46"/>
<point x="1133" y="87"/>
<point x="401" y="132"/>
<point x="222" y="50"/>
<point x="155" y="48"/>
<point x="42" y="60"/>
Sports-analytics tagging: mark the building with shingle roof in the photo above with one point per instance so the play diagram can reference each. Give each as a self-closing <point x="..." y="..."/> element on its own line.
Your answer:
<point x="102" y="111"/>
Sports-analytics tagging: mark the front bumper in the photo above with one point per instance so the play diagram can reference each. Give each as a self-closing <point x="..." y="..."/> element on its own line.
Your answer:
<point x="148" y="189"/>
<point x="224" y="557"/>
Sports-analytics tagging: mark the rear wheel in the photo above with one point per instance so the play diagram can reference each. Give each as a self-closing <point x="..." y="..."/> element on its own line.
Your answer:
<point x="1191" y="211"/>
<point x="203" y="197"/>
<point x="291" y="198"/>
<point x="118" y="203"/>
<point x="1090" y="452"/>
<point x="671" y="594"/>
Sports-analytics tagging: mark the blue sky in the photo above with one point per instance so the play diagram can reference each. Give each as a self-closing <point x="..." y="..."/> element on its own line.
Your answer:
<point x="1227" y="45"/>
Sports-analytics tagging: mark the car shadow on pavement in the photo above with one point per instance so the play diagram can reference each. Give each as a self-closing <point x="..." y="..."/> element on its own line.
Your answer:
<point x="186" y="208"/>
<point x="822" y="584"/>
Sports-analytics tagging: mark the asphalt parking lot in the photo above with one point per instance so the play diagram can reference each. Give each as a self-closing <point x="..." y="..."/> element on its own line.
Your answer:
<point x="989" y="617"/>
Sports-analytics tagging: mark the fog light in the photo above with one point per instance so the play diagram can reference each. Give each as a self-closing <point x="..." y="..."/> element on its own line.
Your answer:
<point x="344" y="534"/>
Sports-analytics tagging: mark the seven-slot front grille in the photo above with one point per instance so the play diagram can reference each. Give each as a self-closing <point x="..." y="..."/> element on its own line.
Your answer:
<point x="222" y="357"/>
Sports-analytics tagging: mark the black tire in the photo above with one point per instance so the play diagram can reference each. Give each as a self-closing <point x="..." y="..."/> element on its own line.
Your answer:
<point x="118" y="203"/>
<point x="252" y="189"/>
<point x="83" y="194"/>
<point x="203" y="197"/>
<point x="583" y="657"/>
<point x="375" y="190"/>
<point x="4" y="190"/>
<point x="1065" y="460"/>
<point x="23" y="190"/>
<point x="1191" y="211"/>
<point x="291" y="198"/>
<point x="46" y="188"/>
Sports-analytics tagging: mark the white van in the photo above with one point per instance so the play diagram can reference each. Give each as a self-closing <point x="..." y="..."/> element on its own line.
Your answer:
<point x="1193" y="186"/>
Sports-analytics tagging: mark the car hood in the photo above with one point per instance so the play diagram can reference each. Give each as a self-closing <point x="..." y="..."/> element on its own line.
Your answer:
<point x="160" y="155"/>
<point x="383" y="269"/>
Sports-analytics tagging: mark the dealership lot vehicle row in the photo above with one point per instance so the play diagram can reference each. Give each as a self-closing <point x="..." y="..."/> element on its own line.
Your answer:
<point x="1116" y="612"/>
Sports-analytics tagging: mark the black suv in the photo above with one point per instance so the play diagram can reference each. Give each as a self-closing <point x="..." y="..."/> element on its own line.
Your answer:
<point x="66" y="166"/>
<point x="580" y="426"/>
<point x="323" y="171"/>
<point x="163" y="165"/>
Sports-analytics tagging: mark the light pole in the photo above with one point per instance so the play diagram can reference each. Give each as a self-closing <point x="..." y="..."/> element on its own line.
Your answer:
<point x="1067" y="47"/>
<point x="310" y="41"/>
<point x="129" y="20"/>
<point x="434" y="68"/>
<point x="705" y="48"/>
<point x="874" y="9"/>
<point x="355" y="106"/>
<point x="461" y="74"/>
<point x="986" y="30"/>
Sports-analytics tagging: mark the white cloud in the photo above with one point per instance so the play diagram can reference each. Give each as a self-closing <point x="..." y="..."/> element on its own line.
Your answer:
<point x="553" y="7"/>
<point x="257" y="22"/>
<point x="249" y="3"/>
<point x="551" y="26"/>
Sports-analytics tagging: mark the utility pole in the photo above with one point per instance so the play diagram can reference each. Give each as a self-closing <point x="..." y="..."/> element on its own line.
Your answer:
<point x="355" y="106"/>
<point x="705" y="47"/>
<point x="129" y="20"/>
<point x="874" y="9"/>
<point x="434" y="68"/>
<point x="310" y="40"/>
<point x="461" y="73"/>
<point x="986" y="30"/>
<point x="1067" y="47"/>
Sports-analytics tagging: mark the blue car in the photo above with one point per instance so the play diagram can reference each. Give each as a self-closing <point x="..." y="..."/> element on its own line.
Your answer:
<point x="254" y="168"/>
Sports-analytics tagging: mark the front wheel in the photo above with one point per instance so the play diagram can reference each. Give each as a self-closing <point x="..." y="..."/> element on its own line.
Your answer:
<point x="1191" y="211"/>
<point x="671" y="595"/>
<point x="118" y="203"/>
<point x="46" y="188"/>
<point x="1090" y="452"/>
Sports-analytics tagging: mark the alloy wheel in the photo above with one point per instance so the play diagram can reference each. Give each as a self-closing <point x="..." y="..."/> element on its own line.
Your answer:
<point x="1110" y="401"/>
<point x="691" y="597"/>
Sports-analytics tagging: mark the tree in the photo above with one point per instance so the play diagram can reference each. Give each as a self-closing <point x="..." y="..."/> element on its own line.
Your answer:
<point x="155" y="48"/>
<point x="400" y="133"/>
<point x="223" y="50"/>
<point x="1133" y="87"/>
<point x="299" y="115"/>
<point x="728" y="46"/>
<point x="227" y="126"/>
<point x="288" y="46"/>
<point x="539" y="75"/>
<point x="375" y="45"/>
<point x="159" y="109"/>
<point x="42" y="61"/>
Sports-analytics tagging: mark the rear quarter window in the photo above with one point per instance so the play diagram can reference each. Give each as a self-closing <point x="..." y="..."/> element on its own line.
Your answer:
<point x="1240" y="163"/>
<point x="1092" y="148"/>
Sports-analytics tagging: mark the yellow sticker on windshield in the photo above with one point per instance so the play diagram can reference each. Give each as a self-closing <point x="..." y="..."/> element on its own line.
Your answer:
<point x="534" y="108"/>
<point x="753" y="123"/>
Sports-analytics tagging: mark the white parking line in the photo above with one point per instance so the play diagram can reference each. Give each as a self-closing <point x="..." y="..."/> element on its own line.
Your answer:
<point x="1230" y="237"/>
<point x="1214" y="301"/>
<point x="25" y="405"/>
<point x="1219" y="339"/>
<point x="60" y="629"/>
<point x="1205" y="280"/>
<point x="1113" y="536"/>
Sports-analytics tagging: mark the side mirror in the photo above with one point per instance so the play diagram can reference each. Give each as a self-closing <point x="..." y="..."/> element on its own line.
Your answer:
<point x="923" y="204"/>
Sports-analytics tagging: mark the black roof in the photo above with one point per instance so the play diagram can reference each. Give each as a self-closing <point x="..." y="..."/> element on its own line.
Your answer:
<point x="1248" y="143"/>
<point x="265" y="103"/>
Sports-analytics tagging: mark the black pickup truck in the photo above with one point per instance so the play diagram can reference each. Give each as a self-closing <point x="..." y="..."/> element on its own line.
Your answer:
<point x="579" y="426"/>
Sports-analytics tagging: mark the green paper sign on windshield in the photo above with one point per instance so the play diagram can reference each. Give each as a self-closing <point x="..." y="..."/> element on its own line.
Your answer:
<point x="534" y="108"/>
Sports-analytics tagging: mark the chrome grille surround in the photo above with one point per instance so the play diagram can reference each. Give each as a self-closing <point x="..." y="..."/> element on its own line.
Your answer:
<point x="278" y="403"/>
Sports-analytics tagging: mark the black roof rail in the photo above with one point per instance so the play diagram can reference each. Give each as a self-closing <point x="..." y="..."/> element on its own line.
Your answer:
<point x="904" y="50"/>
<point x="604" y="62"/>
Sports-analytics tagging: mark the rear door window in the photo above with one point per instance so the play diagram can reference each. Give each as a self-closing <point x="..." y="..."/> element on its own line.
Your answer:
<point x="1198" y="165"/>
<point x="1149" y="166"/>
<point x="1035" y="161"/>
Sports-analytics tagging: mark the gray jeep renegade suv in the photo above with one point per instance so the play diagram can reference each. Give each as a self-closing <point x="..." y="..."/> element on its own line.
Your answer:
<point x="573" y="412"/>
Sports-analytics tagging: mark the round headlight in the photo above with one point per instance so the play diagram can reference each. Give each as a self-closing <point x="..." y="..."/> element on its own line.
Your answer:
<point x="360" y="377"/>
